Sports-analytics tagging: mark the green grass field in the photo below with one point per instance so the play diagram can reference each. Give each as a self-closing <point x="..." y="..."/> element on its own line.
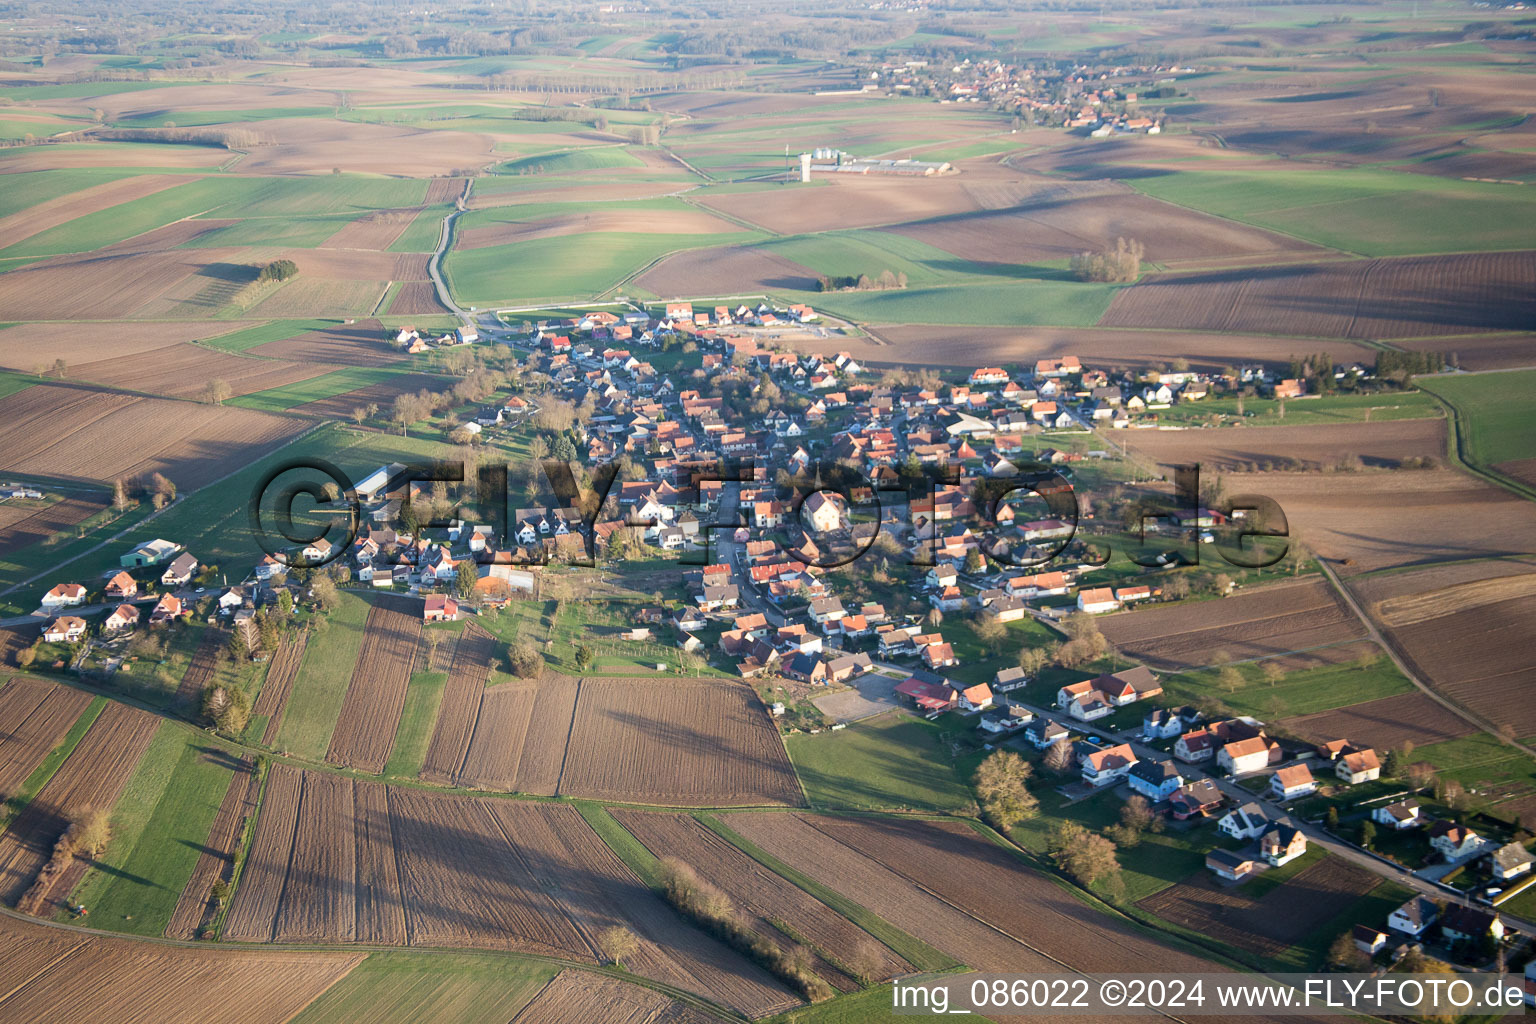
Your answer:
<point x="158" y="830"/>
<point x="1493" y="413"/>
<point x="894" y="761"/>
<point x="566" y="266"/>
<point x="1371" y="212"/>
<point x="328" y="385"/>
<point x="1298" y="693"/>
<point x="321" y="685"/>
<point x="296" y="232"/>
<point x="422" y="698"/>
<point x="467" y="988"/>
<point x="277" y="330"/>
<point x="563" y="162"/>
<point x="423" y="233"/>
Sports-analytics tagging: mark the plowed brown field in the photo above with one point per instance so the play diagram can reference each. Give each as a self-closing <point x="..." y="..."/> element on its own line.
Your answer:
<point x="576" y="997"/>
<point x="730" y="270"/>
<point x="36" y="527"/>
<point x="377" y="230"/>
<point x="26" y="346"/>
<point x="183" y="371"/>
<point x="1385" y="724"/>
<point x="62" y="431"/>
<point x="841" y="946"/>
<point x="1280" y="918"/>
<point x="356" y="344"/>
<point x="682" y="742"/>
<point x="279" y="683"/>
<point x="90" y="779"/>
<point x="1316" y="446"/>
<point x="416" y="298"/>
<point x="200" y="669"/>
<point x="48" y="976"/>
<point x="389" y="865"/>
<point x="34" y="717"/>
<point x="370" y="714"/>
<point x="1404" y="297"/>
<point x="520" y="736"/>
<point x="460" y="705"/>
<point x="1257" y="623"/>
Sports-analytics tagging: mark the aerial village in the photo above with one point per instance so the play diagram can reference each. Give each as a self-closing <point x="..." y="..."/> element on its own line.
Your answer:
<point x="899" y="623"/>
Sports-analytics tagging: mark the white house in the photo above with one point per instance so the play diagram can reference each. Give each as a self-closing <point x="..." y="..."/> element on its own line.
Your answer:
<point x="1360" y="766"/>
<point x="1510" y="861"/>
<point x="1414" y="917"/>
<point x="1452" y="841"/>
<point x="1097" y="600"/>
<point x="1155" y="780"/>
<point x="64" y="595"/>
<point x="1102" y="767"/>
<point x="1247" y="755"/>
<point x="1246" y="822"/>
<point x="1290" y="783"/>
<point x="1399" y="816"/>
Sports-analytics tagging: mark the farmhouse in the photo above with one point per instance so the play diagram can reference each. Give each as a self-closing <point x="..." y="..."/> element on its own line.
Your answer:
<point x="439" y="608"/>
<point x="1102" y="767"/>
<point x="64" y="595"/>
<point x="1292" y="782"/>
<point x="65" y="629"/>
<point x="1095" y="601"/>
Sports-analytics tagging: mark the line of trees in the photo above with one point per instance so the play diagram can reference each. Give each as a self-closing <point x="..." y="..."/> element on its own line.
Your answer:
<point x="883" y="281"/>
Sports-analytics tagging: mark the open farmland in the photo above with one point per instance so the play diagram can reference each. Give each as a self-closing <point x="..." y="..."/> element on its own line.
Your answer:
<point x="355" y="344"/>
<point x="90" y="779"/>
<point x="382" y="394"/>
<point x="34" y="527"/>
<point x="520" y="735"/>
<point x="50" y="214"/>
<point x="1469" y="638"/>
<point x="1278" y="919"/>
<point x="200" y="669"/>
<point x="460" y="705"/>
<point x="1385" y="724"/>
<point x="1366" y="521"/>
<point x="676" y="741"/>
<point x="1060" y="223"/>
<point x="1262" y="622"/>
<point x="926" y="344"/>
<point x="53" y="975"/>
<point x="576" y="997"/>
<point x="378" y="230"/>
<point x="273" y="698"/>
<point x="1387" y="298"/>
<point x="183" y="371"/>
<point x="1315" y="446"/>
<point x="483" y="229"/>
<point x="28" y="346"/>
<point x="34" y="717"/>
<point x="75" y="433"/>
<point x="365" y="731"/>
<point x="839" y="944"/>
<point x="730" y="270"/>
<point x="496" y="874"/>
<point x="196" y="907"/>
